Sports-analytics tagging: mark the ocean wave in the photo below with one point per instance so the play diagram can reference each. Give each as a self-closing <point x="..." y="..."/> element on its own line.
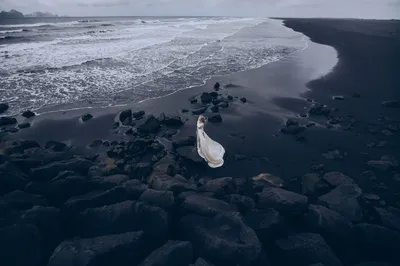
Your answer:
<point x="89" y="20"/>
<point x="41" y="24"/>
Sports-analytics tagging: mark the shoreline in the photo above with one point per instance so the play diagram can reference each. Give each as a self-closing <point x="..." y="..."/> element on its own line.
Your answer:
<point x="312" y="151"/>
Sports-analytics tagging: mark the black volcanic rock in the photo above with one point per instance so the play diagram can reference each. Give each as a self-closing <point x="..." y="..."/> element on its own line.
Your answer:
<point x="305" y="249"/>
<point x="3" y="107"/>
<point x="206" y="206"/>
<point x="24" y="125"/>
<point x="86" y="117"/>
<point x="6" y="121"/>
<point x="125" y="249"/>
<point x="223" y="240"/>
<point x="126" y="114"/>
<point x="206" y="98"/>
<point x="176" y="253"/>
<point x="151" y="125"/>
<point x="391" y="104"/>
<point x="217" y="86"/>
<point x="28" y="114"/>
<point x="284" y="201"/>
<point x="215" y="119"/>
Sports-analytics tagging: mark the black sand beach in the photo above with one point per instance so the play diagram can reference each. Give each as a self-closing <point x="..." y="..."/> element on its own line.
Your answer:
<point x="311" y="175"/>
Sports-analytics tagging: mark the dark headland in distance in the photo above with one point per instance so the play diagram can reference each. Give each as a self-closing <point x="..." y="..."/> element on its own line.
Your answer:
<point x="308" y="180"/>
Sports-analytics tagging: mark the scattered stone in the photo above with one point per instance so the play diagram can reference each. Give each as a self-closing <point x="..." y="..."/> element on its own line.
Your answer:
<point x="230" y="98"/>
<point x="391" y="104"/>
<point x="139" y="171"/>
<point x="386" y="163"/>
<point x="267" y="223"/>
<point x="305" y="249"/>
<point x="240" y="157"/>
<point x="206" y="98"/>
<point x="199" y="111"/>
<point x="371" y="197"/>
<point x="3" y="107"/>
<point x="28" y="114"/>
<point x="24" y="125"/>
<point x="217" y="86"/>
<point x="96" y="143"/>
<point x="205" y="206"/>
<point x="6" y="121"/>
<point x="20" y="200"/>
<point x="243" y="100"/>
<point x="286" y="202"/>
<point x="377" y="242"/>
<point x="12" y="130"/>
<point x="312" y="184"/>
<point x="213" y="94"/>
<point x="86" y="117"/>
<point x="134" y="188"/>
<point x="138" y="115"/>
<point x="336" y="178"/>
<point x="107" y="182"/>
<point x="152" y="125"/>
<point x="193" y="101"/>
<point x="244" y="204"/>
<point x="223" y="240"/>
<point x="120" y="249"/>
<point x="184" y="110"/>
<point x="266" y="179"/>
<point x="344" y="200"/>
<point x="293" y="129"/>
<point x="215" y="119"/>
<point x="338" y="97"/>
<point x="176" y="253"/>
<point x="319" y="109"/>
<point x="356" y="95"/>
<point x="333" y="155"/>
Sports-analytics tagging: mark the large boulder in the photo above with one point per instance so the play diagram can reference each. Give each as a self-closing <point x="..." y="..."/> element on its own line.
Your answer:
<point x="223" y="240"/>
<point x="176" y="253"/>
<point x="220" y="186"/>
<point x="378" y="242"/>
<point x="49" y="221"/>
<point x="284" y="201"/>
<point x="345" y="200"/>
<point x="335" y="179"/>
<point x="206" y="98"/>
<point x="134" y="188"/>
<point x="186" y="141"/>
<point x="175" y="184"/>
<point x="173" y="121"/>
<point x="305" y="249"/>
<point x="151" y="125"/>
<point x="312" y="184"/>
<point x="21" y="245"/>
<point x="96" y="199"/>
<point x="11" y="178"/>
<point x="20" y="200"/>
<point x="107" y="182"/>
<point x="125" y="249"/>
<point x="206" y="206"/>
<point x="28" y="114"/>
<point x="49" y="171"/>
<point x="124" y="217"/>
<point x="267" y="180"/>
<point x="202" y="262"/>
<point x="389" y="219"/>
<point x="267" y="223"/>
<point x="333" y="227"/>
<point x="189" y="154"/>
<point x="163" y="199"/>
<point x="3" y="107"/>
<point x="6" y="121"/>
<point x="125" y="115"/>
<point x="243" y="203"/>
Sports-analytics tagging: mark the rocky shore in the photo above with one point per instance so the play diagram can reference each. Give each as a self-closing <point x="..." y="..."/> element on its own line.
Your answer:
<point x="143" y="196"/>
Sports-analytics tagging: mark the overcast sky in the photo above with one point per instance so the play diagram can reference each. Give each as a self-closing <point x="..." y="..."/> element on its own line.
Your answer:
<point x="292" y="8"/>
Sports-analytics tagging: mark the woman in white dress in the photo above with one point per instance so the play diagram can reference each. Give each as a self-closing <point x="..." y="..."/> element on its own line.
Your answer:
<point x="211" y="151"/>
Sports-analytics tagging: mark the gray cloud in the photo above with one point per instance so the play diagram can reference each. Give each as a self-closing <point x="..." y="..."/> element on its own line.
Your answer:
<point x="286" y="8"/>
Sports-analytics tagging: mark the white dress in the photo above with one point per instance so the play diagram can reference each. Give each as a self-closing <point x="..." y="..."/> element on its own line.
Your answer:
<point x="211" y="151"/>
